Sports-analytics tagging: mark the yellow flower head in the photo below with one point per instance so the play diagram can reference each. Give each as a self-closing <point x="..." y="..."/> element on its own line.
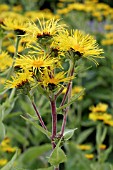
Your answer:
<point x="82" y="45"/>
<point x="109" y="122"/>
<point x="102" y="146"/>
<point x="89" y="156"/>
<point x="20" y="80"/>
<point x="11" y="48"/>
<point x="100" y="116"/>
<point x="5" y="61"/>
<point x="54" y="80"/>
<point x="32" y="62"/>
<point x="77" y="89"/>
<point x="46" y="28"/>
<point x="84" y="147"/>
<point x="18" y="24"/>
<point x="101" y="107"/>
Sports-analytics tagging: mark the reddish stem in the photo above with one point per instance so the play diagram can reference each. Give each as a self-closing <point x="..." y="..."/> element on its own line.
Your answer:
<point x="39" y="116"/>
<point x="54" y="122"/>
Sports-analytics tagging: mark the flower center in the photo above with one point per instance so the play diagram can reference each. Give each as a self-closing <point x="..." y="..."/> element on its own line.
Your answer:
<point x="38" y="63"/>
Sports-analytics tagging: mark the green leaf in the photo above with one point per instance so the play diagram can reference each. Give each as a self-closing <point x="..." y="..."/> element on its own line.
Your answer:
<point x="2" y="131"/>
<point x="46" y="132"/>
<point x="57" y="156"/>
<point x="83" y="135"/>
<point x="33" y="153"/>
<point x="50" y="168"/>
<point x="18" y="135"/>
<point x="72" y="100"/>
<point x="105" y="154"/>
<point x="69" y="133"/>
<point x="9" y="165"/>
<point x="103" y="134"/>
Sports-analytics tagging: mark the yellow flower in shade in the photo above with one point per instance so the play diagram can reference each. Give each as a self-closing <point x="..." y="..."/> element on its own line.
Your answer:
<point x="107" y="41"/>
<point x="32" y="62"/>
<point x="18" y="24"/>
<point x="84" y="147"/>
<point x="102" y="146"/>
<point x="45" y="28"/>
<point x="54" y="80"/>
<point x="89" y="156"/>
<point x="77" y="89"/>
<point x="20" y="80"/>
<point x="4" y="7"/>
<point x="101" y="107"/>
<point x="3" y="162"/>
<point x="81" y="44"/>
<point x="108" y="27"/>
<point x="5" y="61"/>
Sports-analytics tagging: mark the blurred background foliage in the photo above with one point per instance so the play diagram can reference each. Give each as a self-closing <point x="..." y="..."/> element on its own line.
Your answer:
<point x="94" y="17"/>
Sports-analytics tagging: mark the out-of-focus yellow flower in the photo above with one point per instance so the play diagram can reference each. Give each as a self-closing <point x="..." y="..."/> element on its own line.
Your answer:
<point x="5" y="61"/>
<point x="84" y="147"/>
<point x="89" y="156"/>
<point x="109" y="122"/>
<point x="4" y="7"/>
<point x="77" y="89"/>
<point x="9" y="149"/>
<point x="107" y="41"/>
<point x="108" y="27"/>
<point x="17" y="8"/>
<point x="101" y="107"/>
<point x="102" y="146"/>
<point x="2" y="80"/>
<point x="3" y="162"/>
<point x="11" y="48"/>
<point x="99" y="116"/>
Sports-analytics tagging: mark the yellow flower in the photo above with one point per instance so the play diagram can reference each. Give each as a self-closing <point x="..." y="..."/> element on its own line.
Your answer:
<point x="5" y="61"/>
<point x="18" y="24"/>
<point x="54" y="80"/>
<point x="11" y="48"/>
<point x="35" y="63"/>
<point x="20" y="80"/>
<point x="4" y="7"/>
<point x="77" y="89"/>
<point x="80" y="44"/>
<point x="9" y="149"/>
<point x="100" y="116"/>
<point x="84" y="147"/>
<point x="102" y="146"/>
<point x="3" y="162"/>
<point x="109" y="122"/>
<point x="46" y="28"/>
<point x="107" y="41"/>
<point x="89" y="156"/>
<point x="5" y="142"/>
<point x="101" y="107"/>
